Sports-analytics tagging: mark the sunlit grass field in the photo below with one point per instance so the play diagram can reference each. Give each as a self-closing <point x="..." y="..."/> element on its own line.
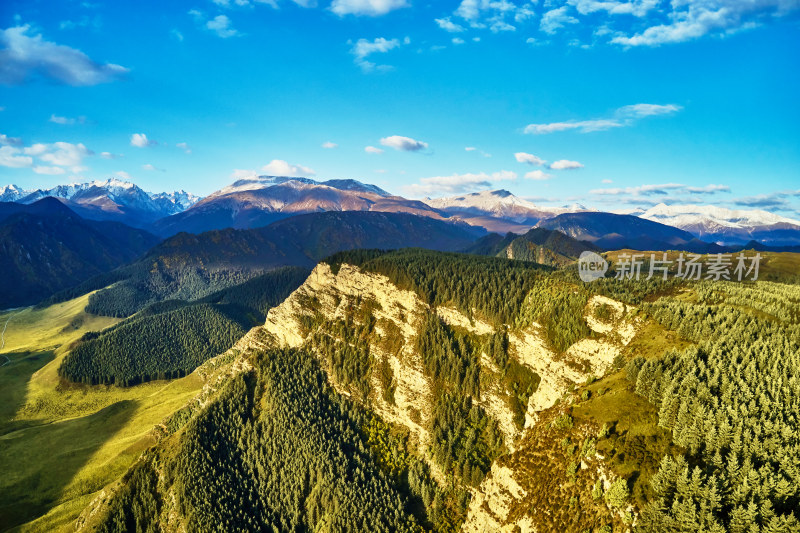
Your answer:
<point x="61" y="443"/>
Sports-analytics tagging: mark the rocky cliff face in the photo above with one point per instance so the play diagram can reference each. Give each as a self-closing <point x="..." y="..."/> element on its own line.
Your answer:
<point x="328" y="296"/>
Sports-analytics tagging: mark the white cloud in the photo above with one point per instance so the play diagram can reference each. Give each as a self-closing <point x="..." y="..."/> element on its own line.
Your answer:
<point x="473" y="149"/>
<point x="647" y="110"/>
<point x="329" y="145"/>
<point x="49" y="171"/>
<point x="363" y="48"/>
<point x="623" y="116"/>
<point x="641" y="190"/>
<point x="556" y="19"/>
<point x="67" y="121"/>
<point x="500" y="25"/>
<point x="371" y="8"/>
<point x="152" y="168"/>
<point x="62" y="154"/>
<point x="458" y="40"/>
<point x="140" y="140"/>
<point x="692" y="19"/>
<point x="637" y="8"/>
<point x="448" y="25"/>
<point x="185" y="147"/>
<point x="221" y="25"/>
<point x="458" y="183"/>
<point x="530" y="159"/>
<point x="10" y="156"/>
<point x="5" y="140"/>
<point x="55" y="155"/>
<point x="565" y="164"/>
<point x="279" y="167"/>
<point x="708" y="189"/>
<point x="607" y="181"/>
<point x="496" y="15"/>
<point x="537" y="175"/>
<point x="240" y="173"/>
<point x="241" y="3"/>
<point x="584" y="126"/>
<point x="25" y="56"/>
<point x="121" y="174"/>
<point x="109" y="155"/>
<point x="406" y="144"/>
<point x="373" y="150"/>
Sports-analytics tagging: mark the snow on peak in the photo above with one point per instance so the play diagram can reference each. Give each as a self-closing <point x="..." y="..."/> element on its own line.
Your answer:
<point x="499" y="203"/>
<point x="120" y="191"/>
<point x="484" y="200"/>
<point x="710" y="216"/>
<point x="256" y="183"/>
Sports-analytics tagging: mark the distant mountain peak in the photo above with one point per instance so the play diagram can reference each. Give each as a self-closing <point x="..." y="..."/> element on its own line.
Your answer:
<point x="354" y="185"/>
<point x="109" y="199"/>
<point x="256" y="183"/>
<point x="727" y="226"/>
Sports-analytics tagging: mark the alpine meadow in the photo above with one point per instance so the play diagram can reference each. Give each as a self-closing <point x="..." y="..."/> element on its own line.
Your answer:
<point x="377" y="266"/>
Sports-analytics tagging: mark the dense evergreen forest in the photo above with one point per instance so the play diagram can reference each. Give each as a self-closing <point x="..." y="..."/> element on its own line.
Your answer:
<point x="733" y="404"/>
<point x="279" y="450"/>
<point x="156" y="346"/>
<point x="171" y="338"/>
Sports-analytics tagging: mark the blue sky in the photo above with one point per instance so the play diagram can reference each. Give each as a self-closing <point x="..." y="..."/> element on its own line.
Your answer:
<point x="608" y="103"/>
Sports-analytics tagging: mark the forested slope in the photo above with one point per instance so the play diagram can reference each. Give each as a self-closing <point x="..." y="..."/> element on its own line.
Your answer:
<point x="278" y="450"/>
<point x="190" y="267"/>
<point x="472" y="393"/>
<point x="45" y="247"/>
<point x="169" y="339"/>
<point x="733" y="404"/>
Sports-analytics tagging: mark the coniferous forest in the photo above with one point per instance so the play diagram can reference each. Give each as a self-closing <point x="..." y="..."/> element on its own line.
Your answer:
<point x="692" y="427"/>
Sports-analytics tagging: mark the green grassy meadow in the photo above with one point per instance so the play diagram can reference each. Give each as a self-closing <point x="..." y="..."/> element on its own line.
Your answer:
<point x="61" y="443"/>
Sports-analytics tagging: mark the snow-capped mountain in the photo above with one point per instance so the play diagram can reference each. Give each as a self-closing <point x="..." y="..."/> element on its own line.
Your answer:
<point x="727" y="226"/>
<point x="112" y="199"/>
<point x="10" y="193"/>
<point x="260" y="200"/>
<point x="499" y="210"/>
<point x="256" y="183"/>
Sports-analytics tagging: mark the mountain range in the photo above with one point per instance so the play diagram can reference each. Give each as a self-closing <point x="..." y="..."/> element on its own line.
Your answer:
<point x="260" y="200"/>
<point x="498" y="211"/>
<point x="46" y="247"/>
<point x="113" y="199"/>
<point x="188" y="266"/>
<point x="610" y="231"/>
<point x="727" y="226"/>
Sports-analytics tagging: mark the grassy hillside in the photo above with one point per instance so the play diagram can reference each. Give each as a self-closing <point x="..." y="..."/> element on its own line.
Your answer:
<point x="61" y="444"/>
<point x="66" y="441"/>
